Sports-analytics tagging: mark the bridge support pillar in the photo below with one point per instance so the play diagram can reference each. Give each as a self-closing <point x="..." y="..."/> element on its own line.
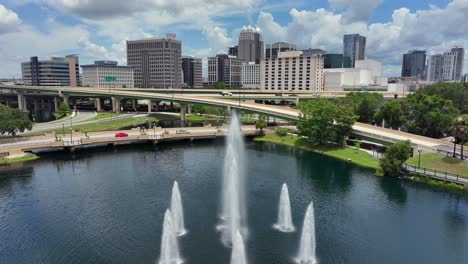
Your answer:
<point x="150" y="106"/>
<point x="115" y="105"/>
<point x="22" y="102"/>
<point x="134" y="104"/>
<point x="183" y="114"/>
<point x="56" y="103"/>
<point x="189" y="109"/>
<point x="97" y="104"/>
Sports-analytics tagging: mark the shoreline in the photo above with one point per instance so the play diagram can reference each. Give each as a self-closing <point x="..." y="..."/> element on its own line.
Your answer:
<point x="433" y="183"/>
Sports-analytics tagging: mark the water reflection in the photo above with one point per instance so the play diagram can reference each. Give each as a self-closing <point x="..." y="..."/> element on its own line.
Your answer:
<point x="394" y="190"/>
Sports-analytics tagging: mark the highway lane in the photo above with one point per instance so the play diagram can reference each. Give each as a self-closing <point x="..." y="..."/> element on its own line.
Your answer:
<point x="79" y="116"/>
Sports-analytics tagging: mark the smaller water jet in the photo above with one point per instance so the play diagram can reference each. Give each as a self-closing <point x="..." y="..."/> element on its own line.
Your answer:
<point x="238" y="255"/>
<point x="284" y="223"/>
<point x="307" y="245"/>
<point x="169" y="246"/>
<point x="177" y="211"/>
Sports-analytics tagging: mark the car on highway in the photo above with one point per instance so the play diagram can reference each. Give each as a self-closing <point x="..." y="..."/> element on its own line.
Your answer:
<point x="121" y="134"/>
<point x="181" y="131"/>
<point x="226" y="93"/>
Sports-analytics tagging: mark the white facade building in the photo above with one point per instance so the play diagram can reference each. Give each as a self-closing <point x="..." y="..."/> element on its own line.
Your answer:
<point x="366" y="76"/>
<point x="292" y="71"/>
<point x="107" y="74"/>
<point x="250" y="76"/>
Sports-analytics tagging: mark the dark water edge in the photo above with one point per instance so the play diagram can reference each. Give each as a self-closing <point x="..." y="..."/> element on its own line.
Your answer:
<point x="106" y="206"/>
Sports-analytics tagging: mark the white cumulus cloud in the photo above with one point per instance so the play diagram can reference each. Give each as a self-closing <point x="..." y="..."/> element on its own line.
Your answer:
<point x="9" y="20"/>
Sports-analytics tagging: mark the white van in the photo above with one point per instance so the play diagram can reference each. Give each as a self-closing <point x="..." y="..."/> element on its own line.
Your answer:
<point x="226" y="93"/>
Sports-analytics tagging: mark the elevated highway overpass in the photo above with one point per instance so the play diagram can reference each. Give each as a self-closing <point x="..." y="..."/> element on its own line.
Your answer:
<point x="369" y="132"/>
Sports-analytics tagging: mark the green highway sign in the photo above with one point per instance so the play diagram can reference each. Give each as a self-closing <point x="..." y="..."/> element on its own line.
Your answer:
<point x="111" y="78"/>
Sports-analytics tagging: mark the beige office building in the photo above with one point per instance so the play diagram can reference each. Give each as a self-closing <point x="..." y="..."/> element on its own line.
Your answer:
<point x="292" y="71"/>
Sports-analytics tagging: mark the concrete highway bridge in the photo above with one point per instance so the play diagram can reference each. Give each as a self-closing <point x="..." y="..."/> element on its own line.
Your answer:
<point x="364" y="131"/>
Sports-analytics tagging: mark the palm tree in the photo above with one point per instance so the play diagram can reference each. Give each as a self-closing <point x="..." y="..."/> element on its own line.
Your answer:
<point x="459" y="130"/>
<point x="261" y="124"/>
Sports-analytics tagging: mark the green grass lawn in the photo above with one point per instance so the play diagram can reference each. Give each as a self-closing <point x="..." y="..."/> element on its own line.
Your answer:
<point x="434" y="161"/>
<point x="197" y="118"/>
<point x="103" y="115"/>
<point x="18" y="160"/>
<point x="358" y="157"/>
<point x="111" y="125"/>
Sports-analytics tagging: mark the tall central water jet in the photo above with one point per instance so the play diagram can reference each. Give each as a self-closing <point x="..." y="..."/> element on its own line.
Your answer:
<point x="307" y="244"/>
<point x="233" y="212"/>
<point x="284" y="223"/>
<point x="238" y="250"/>
<point x="177" y="211"/>
<point x="169" y="246"/>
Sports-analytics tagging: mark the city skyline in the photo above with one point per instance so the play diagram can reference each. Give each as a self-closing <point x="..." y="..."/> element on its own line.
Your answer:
<point x="96" y="32"/>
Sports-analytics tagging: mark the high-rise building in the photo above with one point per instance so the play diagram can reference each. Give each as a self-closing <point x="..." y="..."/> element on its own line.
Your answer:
<point x="192" y="72"/>
<point x="354" y="47"/>
<point x="57" y="71"/>
<point x="156" y="62"/>
<point x="226" y="69"/>
<point x="434" y="70"/>
<point x="465" y="78"/>
<point x="233" y="51"/>
<point x="250" y="47"/>
<point x="107" y="74"/>
<point x="250" y="75"/>
<point x="272" y="50"/>
<point x="333" y="61"/>
<point x="414" y="64"/>
<point x="453" y="64"/>
<point x="292" y="71"/>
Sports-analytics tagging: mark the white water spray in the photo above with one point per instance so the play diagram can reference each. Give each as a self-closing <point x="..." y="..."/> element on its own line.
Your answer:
<point x="233" y="214"/>
<point x="307" y="244"/>
<point x="238" y="250"/>
<point x="177" y="211"/>
<point x="169" y="246"/>
<point x="284" y="223"/>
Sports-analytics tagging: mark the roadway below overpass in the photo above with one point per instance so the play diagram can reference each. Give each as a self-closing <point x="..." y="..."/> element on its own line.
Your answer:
<point x="366" y="131"/>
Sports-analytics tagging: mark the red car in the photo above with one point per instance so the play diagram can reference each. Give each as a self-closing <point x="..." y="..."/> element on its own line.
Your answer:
<point x="121" y="135"/>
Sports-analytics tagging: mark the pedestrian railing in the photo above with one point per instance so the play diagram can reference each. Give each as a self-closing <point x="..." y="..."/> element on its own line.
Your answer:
<point x="72" y="142"/>
<point x="439" y="175"/>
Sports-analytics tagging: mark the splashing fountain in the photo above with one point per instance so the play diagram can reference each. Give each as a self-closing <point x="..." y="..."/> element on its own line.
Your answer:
<point x="307" y="244"/>
<point x="177" y="211"/>
<point x="169" y="246"/>
<point x="284" y="223"/>
<point x="238" y="250"/>
<point x="233" y="214"/>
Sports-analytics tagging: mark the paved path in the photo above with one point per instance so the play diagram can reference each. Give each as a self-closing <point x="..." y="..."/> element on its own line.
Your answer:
<point x="437" y="175"/>
<point x="79" y="116"/>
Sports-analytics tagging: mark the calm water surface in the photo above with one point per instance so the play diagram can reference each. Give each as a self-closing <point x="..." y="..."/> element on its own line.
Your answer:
<point x="107" y="206"/>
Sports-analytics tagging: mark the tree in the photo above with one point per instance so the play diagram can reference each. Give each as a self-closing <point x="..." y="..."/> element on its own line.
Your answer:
<point x="455" y="92"/>
<point x="392" y="113"/>
<point x="459" y="130"/>
<point x="63" y="110"/>
<point x="428" y="115"/>
<point x="364" y="104"/>
<point x="316" y="121"/>
<point x="13" y="121"/>
<point x="344" y="121"/>
<point x="261" y="124"/>
<point x="219" y="85"/>
<point x="322" y="122"/>
<point x="394" y="157"/>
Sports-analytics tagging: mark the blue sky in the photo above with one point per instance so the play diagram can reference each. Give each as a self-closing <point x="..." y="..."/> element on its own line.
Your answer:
<point x="98" y="29"/>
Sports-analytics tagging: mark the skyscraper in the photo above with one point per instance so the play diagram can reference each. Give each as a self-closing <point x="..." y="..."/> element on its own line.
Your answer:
<point x="333" y="61"/>
<point x="233" y="51"/>
<point x="414" y="64"/>
<point x="156" y="62"/>
<point x="434" y="71"/>
<point x="250" y="48"/>
<point x="354" y="47"/>
<point x="226" y="69"/>
<point x="192" y="71"/>
<point x="453" y="64"/>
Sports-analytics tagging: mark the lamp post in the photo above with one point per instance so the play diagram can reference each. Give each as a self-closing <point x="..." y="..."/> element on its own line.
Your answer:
<point x="63" y="130"/>
<point x="71" y="135"/>
<point x="154" y="131"/>
<point x="419" y="160"/>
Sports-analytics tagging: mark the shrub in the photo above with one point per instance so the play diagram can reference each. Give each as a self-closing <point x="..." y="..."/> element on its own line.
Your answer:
<point x="282" y="132"/>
